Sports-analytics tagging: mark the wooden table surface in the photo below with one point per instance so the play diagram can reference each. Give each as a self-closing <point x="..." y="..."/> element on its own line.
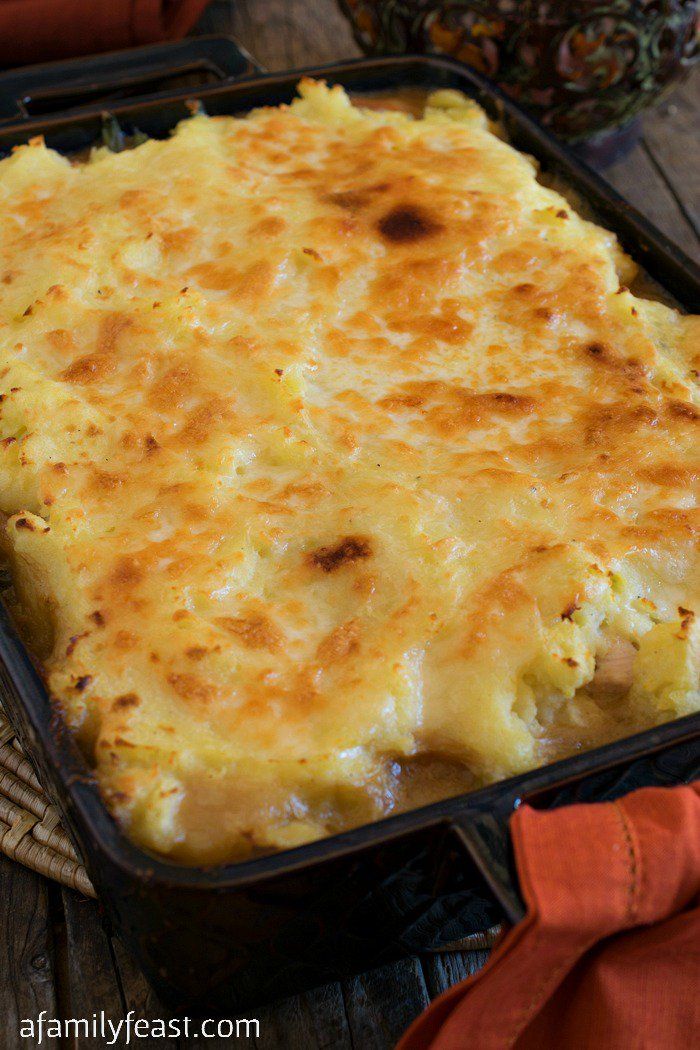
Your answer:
<point x="54" y="953"/>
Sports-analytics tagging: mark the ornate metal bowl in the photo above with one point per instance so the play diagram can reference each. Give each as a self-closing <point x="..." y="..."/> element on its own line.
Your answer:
<point x="581" y="66"/>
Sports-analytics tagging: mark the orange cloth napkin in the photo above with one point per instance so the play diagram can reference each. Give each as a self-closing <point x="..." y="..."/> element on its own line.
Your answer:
<point x="39" y="30"/>
<point x="608" y="955"/>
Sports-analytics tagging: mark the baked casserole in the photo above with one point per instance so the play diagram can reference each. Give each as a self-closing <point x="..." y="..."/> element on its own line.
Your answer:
<point x="342" y="471"/>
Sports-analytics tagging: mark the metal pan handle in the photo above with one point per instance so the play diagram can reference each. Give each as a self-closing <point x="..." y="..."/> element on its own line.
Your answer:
<point x="99" y="80"/>
<point x="483" y="828"/>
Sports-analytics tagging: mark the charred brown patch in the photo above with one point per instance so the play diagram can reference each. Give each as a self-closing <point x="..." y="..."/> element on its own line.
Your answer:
<point x="150" y="443"/>
<point x="406" y="224"/>
<point x="568" y="613"/>
<point x="628" y="367"/>
<point x="125" y="701"/>
<point x="26" y="523"/>
<point x="255" y="631"/>
<point x="97" y="618"/>
<point x="349" y="550"/>
<point x="83" y="682"/>
<point x="73" y="641"/>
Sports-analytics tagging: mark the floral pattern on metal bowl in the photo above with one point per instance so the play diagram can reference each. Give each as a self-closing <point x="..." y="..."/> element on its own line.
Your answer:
<point x="581" y="66"/>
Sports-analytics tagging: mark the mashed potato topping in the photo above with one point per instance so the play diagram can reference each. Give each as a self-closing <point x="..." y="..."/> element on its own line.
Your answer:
<point x="335" y="451"/>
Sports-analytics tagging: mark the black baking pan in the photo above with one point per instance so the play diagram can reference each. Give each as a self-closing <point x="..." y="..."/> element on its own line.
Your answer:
<point x="234" y="936"/>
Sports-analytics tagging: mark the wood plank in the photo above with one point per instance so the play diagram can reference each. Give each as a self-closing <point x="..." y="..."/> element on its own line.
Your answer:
<point x="140" y="997"/>
<point x="381" y="1004"/>
<point x="638" y="180"/>
<point x="284" y="34"/>
<point x="443" y="969"/>
<point x="313" y="1021"/>
<point x="27" y="975"/>
<point x="672" y="138"/>
<point x="137" y="995"/>
<point x="92" y="982"/>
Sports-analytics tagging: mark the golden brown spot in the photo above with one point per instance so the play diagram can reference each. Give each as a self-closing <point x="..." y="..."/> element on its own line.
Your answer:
<point x="349" y="200"/>
<point x="448" y="407"/>
<point x="406" y="224"/>
<point x="127" y="571"/>
<point x="125" y="641"/>
<point x="178" y="240"/>
<point x="670" y="474"/>
<point x="255" y="631"/>
<point x="683" y="410"/>
<point x="131" y="197"/>
<point x="190" y="687"/>
<point x="111" y="327"/>
<point x="88" y="369"/>
<point x="124" y="701"/>
<point x="196" y="652"/>
<point x="349" y="550"/>
<point x="172" y="389"/>
<point x="203" y="419"/>
<point x="270" y="227"/>
<point x="340" y="643"/>
<point x="61" y="339"/>
<point x="106" y="482"/>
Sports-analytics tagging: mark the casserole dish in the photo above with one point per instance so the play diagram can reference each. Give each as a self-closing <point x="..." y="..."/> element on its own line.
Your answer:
<point x="246" y="932"/>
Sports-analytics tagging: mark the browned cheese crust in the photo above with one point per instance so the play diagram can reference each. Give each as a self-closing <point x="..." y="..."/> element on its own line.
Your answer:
<point x="337" y="458"/>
